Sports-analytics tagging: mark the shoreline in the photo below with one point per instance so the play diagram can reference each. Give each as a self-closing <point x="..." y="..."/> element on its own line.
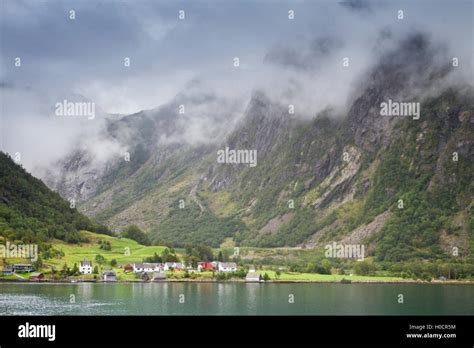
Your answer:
<point x="453" y="282"/>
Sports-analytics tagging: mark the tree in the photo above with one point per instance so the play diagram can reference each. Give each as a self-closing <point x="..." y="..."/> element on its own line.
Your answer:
<point x="113" y="262"/>
<point x="105" y="245"/>
<point x="266" y="277"/>
<point x="168" y="256"/>
<point x="96" y="270"/>
<point x="99" y="259"/>
<point x="38" y="264"/>
<point x="75" y="270"/>
<point x="325" y="267"/>
<point x="277" y="274"/>
<point x="155" y="258"/>
<point x="134" y="232"/>
<point x="364" y="267"/>
<point x="64" y="270"/>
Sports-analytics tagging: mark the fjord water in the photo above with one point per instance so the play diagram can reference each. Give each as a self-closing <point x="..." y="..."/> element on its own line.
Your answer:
<point x="235" y="299"/>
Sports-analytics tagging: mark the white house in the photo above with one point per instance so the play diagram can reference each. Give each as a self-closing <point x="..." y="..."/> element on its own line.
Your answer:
<point x="148" y="267"/>
<point x="85" y="267"/>
<point x="227" y="267"/>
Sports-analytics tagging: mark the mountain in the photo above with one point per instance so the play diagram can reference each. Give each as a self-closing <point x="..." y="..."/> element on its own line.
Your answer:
<point x="400" y="185"/>
<point x="31" y="212"/>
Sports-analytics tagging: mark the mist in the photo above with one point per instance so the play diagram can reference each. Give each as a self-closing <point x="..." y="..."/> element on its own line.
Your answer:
<point x="191" y="62"/>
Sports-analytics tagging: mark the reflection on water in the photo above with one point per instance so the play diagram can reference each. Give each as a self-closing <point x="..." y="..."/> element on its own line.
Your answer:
<point x="234" y="299"/>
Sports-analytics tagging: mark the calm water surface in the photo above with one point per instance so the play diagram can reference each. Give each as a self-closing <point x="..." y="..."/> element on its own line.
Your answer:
<point x="235" y="299"/>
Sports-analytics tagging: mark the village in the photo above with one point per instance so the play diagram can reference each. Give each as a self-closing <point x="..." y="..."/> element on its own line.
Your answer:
<point x="144" y="272"/>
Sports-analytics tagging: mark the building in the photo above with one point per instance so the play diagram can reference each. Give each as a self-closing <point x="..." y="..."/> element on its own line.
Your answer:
<point x="253" y="277"/>
<point x="36" y="276"/>
<point x="206" y="266"/>
<point x="22" y="267"/>
<point x="173" y="266"/>
<point x="7" y="270"/>
<point x="109" y="276"/>
<point x="85" y="267"/>
<point x="128" y="268"/>
<point x="178" y="266"/>
<point x="159" y="276"/>
<point x="148" y="267"/>
<point x="227" y="267"/>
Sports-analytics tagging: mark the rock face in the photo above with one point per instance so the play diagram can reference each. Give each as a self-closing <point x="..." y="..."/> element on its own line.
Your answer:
<point x="391" y="182"/>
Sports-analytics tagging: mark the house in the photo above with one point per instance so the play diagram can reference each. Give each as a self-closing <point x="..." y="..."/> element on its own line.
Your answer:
<point x="22" y="267"/>
<point x="159" y="276"/>
<point x="138" y="267"/>
<point x="173" y="266"/>
<point x="178" y="266"/>
<point x="109" y="276"/>
<point x="206" y="266"/>
<point x="7" y="270"/>
<point x="253" y="277"/>
<point x="227" y="267"/>
<point x="128" y="268"/>
<point x="36" y="276"/>
<point x="85" y="267"/>
<point x="147" y="267"/>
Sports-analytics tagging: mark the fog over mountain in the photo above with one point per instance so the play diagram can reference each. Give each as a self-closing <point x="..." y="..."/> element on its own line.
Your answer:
<point x="190" y="62"/>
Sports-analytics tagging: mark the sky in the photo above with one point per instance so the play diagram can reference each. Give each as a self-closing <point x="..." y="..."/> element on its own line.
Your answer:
<point x="294" y="61"/>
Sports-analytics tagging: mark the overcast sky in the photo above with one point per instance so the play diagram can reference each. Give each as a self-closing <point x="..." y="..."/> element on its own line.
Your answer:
<point x="63" y="58"/>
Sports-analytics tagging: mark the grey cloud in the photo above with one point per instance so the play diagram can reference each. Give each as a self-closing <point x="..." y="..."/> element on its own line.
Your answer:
<point x="357" y="5"/>
<point x="304" y="55"/>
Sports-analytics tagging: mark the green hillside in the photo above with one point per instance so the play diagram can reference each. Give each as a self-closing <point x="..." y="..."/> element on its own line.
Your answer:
<point x="31" y="212"/>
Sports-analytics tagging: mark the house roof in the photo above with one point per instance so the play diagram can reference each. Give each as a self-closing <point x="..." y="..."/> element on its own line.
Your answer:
<point x="108" y="273"/>
<point x="228" y="264"/>
<point x="36" y="274"/>
<point x="148" y="265"/>
<point x="86" y="263"/>
<point x="174" y="264"/>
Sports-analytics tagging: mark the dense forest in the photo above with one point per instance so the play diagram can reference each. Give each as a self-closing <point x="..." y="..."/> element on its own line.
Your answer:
<point x="31" y="212"/>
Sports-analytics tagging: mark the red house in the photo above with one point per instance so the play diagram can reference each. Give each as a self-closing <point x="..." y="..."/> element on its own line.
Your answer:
<point x="36" y="276"/>
<point x="128" y="268"/>
<point x="206" y="266"/>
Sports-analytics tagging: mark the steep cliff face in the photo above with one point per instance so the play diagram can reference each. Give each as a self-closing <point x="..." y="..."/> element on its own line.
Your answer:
<point x="401" y="185"/>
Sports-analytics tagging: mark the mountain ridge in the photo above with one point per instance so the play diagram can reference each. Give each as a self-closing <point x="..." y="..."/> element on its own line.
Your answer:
<point x="329" y="178"/>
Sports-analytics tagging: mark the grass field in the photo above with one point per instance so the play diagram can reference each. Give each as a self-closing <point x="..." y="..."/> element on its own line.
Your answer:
<point x="327" y="277"/>
<point x="122" y="249"/>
